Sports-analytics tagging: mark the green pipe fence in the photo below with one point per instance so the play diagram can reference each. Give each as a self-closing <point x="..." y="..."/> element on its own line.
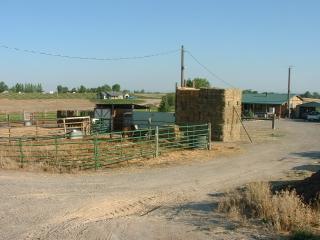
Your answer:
<point x="100" y="150"/>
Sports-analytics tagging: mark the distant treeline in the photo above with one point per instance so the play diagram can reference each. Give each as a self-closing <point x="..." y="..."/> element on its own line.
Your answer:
<point x="22" y="87"/>
<point x="37" y="88"/>
<point x="307" y="94"/>
<point x="82" y="89"/>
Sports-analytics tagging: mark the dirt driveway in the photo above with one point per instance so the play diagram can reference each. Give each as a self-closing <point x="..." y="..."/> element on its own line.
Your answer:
<point x="173" y="202"/>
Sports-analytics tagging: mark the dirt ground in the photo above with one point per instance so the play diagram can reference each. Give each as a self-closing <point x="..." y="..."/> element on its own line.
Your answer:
<point x="42" y="105"/>
<point x="164" y="201"/>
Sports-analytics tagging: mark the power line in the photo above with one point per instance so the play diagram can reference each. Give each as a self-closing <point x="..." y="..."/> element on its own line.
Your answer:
<point x="88" y="58"/>
<point x="208" y="70"/>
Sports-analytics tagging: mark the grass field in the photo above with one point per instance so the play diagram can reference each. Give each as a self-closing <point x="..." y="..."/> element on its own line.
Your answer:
<point x="149" y="95"/>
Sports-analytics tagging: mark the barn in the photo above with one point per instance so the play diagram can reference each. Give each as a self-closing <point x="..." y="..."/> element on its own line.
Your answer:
<point x="260" y="104"/>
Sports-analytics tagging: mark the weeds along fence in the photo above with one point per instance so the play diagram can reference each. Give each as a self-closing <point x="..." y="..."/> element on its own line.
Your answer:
<point x="99" y="151"/>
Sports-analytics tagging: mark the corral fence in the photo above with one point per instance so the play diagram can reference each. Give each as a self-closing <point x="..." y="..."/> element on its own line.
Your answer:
<point x="98" y="151"/>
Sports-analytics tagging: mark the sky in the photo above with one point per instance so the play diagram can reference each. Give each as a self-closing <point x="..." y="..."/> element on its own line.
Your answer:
<point x="248" y="43"/>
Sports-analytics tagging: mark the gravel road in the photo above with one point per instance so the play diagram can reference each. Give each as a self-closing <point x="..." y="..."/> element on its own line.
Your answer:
<point x="173" y="202"/>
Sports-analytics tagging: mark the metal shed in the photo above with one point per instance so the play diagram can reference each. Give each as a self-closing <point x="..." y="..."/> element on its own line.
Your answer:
<point x="115" y="116"/>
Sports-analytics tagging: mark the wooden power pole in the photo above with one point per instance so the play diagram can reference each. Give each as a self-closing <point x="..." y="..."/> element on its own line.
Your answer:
<point x="182" y="66"/>
<point x="289" y="85"/>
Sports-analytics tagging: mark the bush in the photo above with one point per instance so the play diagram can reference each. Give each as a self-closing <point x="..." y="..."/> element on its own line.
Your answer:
<point x="284" y="211"/>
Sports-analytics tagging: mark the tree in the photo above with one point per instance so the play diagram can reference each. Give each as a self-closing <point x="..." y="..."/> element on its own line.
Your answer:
<point x="103" y="88"/>
<point x="3" y="87"/>
<point x="82" y="89"/>
<point x="307" y="94"/>
<point x="171" y="98"/>
<point x="198" y="83"/>
<point x="116" y="88"/>
<point x="316" y="95"/>
<point x="201" y="83"/>
<point x="61" y="89"/>
<point x="164" y="105"/>
<point x="189" y="83"/>
<point x="19" y="87"/>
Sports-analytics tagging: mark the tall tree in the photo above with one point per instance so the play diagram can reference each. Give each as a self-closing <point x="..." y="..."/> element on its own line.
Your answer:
<point x="3" y="87"/>
<point x="164" y="105"/>
<point x="62" y="89"/>
<point x="307" y="94"/>
<point x="116" y="87"/>
<point x="198" y="83"/>
<point x="82" y="89"/>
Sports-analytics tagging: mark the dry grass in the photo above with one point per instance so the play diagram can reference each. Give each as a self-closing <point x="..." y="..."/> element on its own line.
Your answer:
<point x="283" y="211"/>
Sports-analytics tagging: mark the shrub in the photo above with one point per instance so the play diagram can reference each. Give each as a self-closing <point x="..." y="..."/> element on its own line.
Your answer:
<point x="284" y="211"/>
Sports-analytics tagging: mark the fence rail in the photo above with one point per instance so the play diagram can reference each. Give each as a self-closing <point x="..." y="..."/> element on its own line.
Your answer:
<point x="99" y="151"/>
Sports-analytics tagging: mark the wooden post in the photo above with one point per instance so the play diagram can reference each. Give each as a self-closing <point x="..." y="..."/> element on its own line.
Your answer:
<point x="96" y="153"/>
<point x="242" y="124"/>
<point x="273" y="121"/>
<point x="9" y="129"/>
<point x="56" y="148"/>
<point x="21" y="153"/>
<point x="64" y="126"/>
<point x="36" y="129"/>
<point x="7" y="117"/>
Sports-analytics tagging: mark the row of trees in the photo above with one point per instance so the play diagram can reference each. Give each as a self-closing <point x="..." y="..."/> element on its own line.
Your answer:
<point x="82" y="89"/>
<point x="308" y="94"/>
<point x="22" y="87"/>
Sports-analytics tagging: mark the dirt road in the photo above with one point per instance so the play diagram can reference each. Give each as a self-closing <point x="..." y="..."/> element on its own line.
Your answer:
<point x="173" y="202"/>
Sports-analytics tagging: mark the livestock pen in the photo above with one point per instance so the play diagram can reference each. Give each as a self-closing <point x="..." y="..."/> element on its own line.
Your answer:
<point x="101" y="150"/>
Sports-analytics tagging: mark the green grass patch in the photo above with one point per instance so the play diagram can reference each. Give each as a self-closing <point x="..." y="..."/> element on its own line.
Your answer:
<point x="149" y="95"/>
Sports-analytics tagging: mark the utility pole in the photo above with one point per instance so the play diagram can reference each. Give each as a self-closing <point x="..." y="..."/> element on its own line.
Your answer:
<point x="289" y="83"/>
<point x="182" y="67"/>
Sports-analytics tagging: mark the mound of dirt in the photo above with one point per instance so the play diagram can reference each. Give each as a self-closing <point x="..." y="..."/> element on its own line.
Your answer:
<point x="309" y="188"/>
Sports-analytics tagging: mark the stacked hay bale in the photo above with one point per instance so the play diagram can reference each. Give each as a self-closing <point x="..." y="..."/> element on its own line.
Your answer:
<point x="218" y="106"/>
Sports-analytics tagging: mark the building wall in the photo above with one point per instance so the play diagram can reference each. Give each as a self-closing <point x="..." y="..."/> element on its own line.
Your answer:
<point x="218" y="106"/>
<point x="295" y="101"/>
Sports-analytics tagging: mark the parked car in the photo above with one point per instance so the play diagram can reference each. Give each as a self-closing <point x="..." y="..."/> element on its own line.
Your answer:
<point x="313" y="116"/>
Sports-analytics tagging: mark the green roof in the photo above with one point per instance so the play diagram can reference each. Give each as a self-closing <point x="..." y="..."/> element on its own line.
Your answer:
<point x="310" y="104"/>
<point x="266" y="98"/>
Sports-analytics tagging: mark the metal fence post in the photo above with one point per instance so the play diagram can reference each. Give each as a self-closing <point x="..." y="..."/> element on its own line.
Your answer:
<point x="96" y="152"/>
<point x="209" y="135"/>
<point x="21" y="153"/>
<point x="56" y="148"/>
<point x="157" y="141"/>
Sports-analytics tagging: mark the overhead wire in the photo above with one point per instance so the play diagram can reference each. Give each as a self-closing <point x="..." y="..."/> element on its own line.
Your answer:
<point x="208" y="70"/>
<point x="88" y="58"/>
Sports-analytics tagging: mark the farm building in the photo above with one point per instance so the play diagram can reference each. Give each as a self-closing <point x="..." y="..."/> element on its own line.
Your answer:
<point x="112" y="95"/>
<point x="115" y="117"/>
<point x="260" y="104"/>
<point x="306" y="100"/>
<point x="305" y="108"/>
<point x="220" y="107"/>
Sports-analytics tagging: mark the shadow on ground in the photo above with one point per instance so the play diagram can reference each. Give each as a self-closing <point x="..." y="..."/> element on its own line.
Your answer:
<point x="309" y="154"/>
<point x="205" y="217"/>
<point x="308" y="167"/>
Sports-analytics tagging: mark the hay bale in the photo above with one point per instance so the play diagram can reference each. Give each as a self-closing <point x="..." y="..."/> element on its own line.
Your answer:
<point x="213" y="105"/>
